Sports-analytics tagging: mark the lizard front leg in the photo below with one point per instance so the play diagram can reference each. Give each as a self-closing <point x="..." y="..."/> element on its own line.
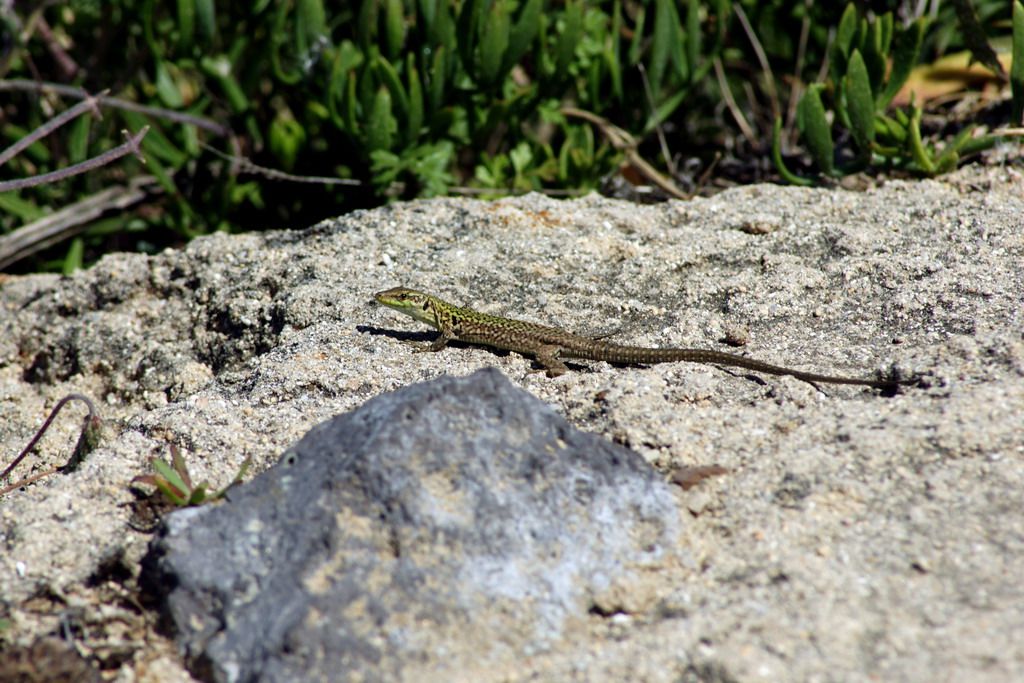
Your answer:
<point x="436" y="345"/>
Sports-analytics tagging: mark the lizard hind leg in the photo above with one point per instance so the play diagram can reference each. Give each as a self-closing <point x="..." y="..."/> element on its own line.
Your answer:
<point x="547" y="356"/>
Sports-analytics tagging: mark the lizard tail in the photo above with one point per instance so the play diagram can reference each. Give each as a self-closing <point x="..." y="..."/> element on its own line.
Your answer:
<point x="632" y="355"/>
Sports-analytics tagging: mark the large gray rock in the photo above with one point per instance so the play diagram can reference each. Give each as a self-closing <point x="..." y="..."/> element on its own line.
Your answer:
<point x="442" y="531"/>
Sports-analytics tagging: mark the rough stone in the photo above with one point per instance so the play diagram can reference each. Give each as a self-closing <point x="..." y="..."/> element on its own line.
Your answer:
<point x="853" y="536"/>
<point x="440" y="532"/>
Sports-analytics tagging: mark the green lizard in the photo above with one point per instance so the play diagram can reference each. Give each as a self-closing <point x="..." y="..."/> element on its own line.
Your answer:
<point x="549" y="345"/>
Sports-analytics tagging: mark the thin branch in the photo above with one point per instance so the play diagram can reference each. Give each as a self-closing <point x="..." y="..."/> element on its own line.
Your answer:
<point x="88" y="104"/>
<point x="243" y="165"/>
<point x="21" y="84"/>
<point x="730" y="102"/>
<point x="91" y="418"/>
<point x="131" y="145"/>
<point x="769" y="85"/>
<point x="65" y="63"/>
<point x="702" y="181"/>
<point x="669" y="164"/>
<point x="71" y="220"/>
<point x="626" y="143"/>
<point x="801" y="51"/>
<point x="28" y="480"/>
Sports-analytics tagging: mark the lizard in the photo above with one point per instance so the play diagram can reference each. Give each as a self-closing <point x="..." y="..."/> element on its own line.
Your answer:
<point x="550" y="345"/>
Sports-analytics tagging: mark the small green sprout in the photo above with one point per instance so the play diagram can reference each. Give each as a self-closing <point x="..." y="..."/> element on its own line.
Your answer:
<point x="174" y="482"/>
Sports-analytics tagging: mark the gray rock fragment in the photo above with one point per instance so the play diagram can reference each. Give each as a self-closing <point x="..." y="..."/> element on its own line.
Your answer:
<point x="446" y="530"/>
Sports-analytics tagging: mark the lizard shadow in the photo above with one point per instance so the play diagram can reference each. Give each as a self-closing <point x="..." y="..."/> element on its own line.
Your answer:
<point x="398" y="335"/>
<point x="425" y="337"/>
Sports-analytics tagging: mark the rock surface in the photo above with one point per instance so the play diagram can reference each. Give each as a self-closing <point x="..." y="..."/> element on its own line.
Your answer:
<point x="439" y="532"/>
<point x="855" y="536"/>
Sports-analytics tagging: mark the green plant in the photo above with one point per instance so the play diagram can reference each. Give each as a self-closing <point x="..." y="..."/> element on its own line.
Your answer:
<point x="404" y="97"/>
<point x="173" y="481"/>
<point x="860" y="91"/>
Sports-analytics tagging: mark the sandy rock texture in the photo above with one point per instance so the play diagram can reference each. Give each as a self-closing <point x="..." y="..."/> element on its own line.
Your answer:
<point x="854" y="535"/>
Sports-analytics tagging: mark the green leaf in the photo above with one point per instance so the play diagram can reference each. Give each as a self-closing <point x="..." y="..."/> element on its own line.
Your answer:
<point x="347" y="58"/>
<point x="219" y="68"/>
<point x="147" y="21"/>
<point x="636" y="44"/>
<point x="885" y="38"/>
<point x="198" y="495"/>
<point x="860" y="105"/>
<point x="277" y="40"/>
<point x="917" y="150"/>
<point x="441" y="29"/>
<point x="166" y="88"/>
<point x="366" y="22"/>
<point x="875" y="53"/>
<point x="172" y="493"/>
<point x="349" y="109"/>
<point x="178" y="463"/>
<point x="207" y="19"/>
<point x="1017" y="68"/>
<point x="846" y="34"/>
<point x="78" y="141"/>
<point x="24" y="209"/>
<point x="570" y="37"/>
<point x="73" y="258"/>
<point x="815" y="128"/>
<point x="436" y="79"/>
<point x="664" y="110"/>
<point x="979" y="143"/>
<point x="171" y="477"/>
<point x="394" y="28"/>
<point x="679" y="50"/>
<point x="908" y="46"/>
<point x="430" y="167"/>
<point x="666" y="35"/>
<point x="493" y="43"/>
<point x="613" y="54"/>
<point x="693" y="35"/>
<point x="521" y="156"/>
<point x="428" y="14"/>
<point x="974" y="36"/>
<point x="414" y="119"/>
<point x="186" y="24"/>
<point x="468" y="31"/>
<point x="890" y="129"/>
<point x="950" y="156"/>
<point x="523" y="33"/>
<point x="310" y="26"/>
<point x="381" y="125"/>
<point x="780" y="165"/>
<point x="389" y="76"/>
<point x="287" y="138"/>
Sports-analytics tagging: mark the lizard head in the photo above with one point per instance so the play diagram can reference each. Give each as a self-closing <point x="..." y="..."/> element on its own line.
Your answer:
<point x="404" y="300"/>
